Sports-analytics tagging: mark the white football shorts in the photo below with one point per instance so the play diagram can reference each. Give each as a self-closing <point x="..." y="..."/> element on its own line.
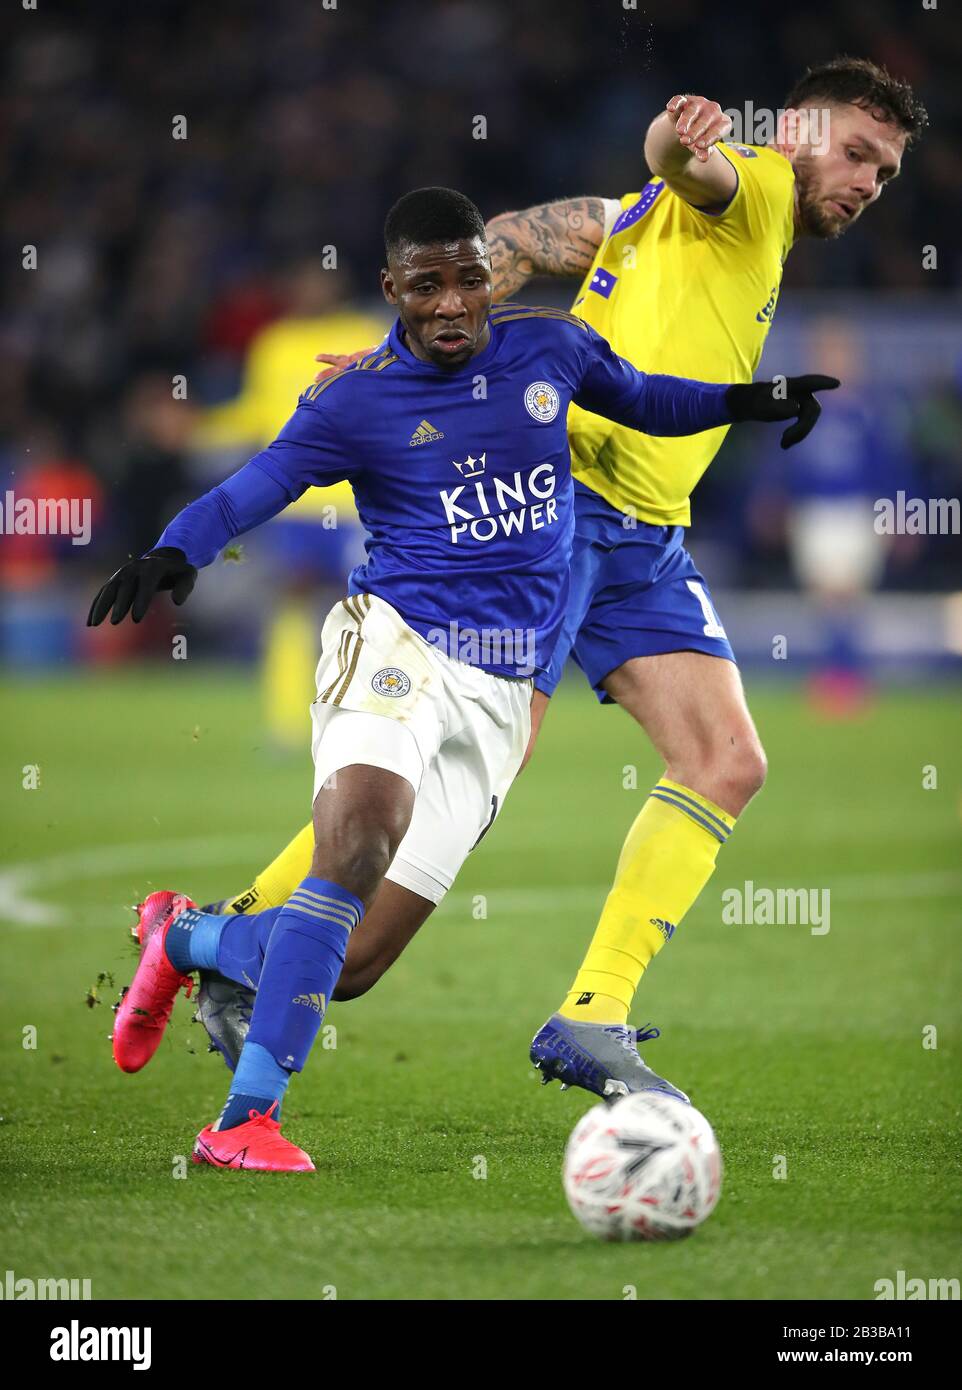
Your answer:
<point x="388" y="698"/>
<point x="834" y="545"/>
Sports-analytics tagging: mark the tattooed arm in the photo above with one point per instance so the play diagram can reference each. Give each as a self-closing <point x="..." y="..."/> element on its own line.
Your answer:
<point x="552" y="239"/>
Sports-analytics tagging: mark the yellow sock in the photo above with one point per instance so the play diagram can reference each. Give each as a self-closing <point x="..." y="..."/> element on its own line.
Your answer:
<point x="287" y="674"/>
<point x="667" y="858"/>
<point x="277" y="882"/>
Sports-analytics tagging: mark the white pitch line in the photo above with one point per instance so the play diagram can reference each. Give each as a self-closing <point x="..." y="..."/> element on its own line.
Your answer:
<point x="19" y="881"/>
<point x="20" y="907"/>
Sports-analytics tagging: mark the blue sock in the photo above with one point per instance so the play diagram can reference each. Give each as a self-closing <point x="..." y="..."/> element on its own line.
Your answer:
<point x="232" y="944"/>
<point x="842" y="642"/>
<point x="243" y="945"/>
<point x="303" y="961"/>
<point x="258" y="1082"/>
<point x="192" y="940"/>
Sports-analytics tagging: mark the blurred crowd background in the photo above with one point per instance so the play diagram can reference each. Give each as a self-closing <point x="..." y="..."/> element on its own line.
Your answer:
<point x="226" y="259"/>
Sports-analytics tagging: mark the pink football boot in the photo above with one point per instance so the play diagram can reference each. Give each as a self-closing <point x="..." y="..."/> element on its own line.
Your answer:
<point x="256" y="1145"/>
<point x="144" y="1011"/>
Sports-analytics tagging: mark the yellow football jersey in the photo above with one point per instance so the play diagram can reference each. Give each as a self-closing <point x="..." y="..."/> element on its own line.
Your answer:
<point x="277" y="369"/>
<point x="679" y="290"/>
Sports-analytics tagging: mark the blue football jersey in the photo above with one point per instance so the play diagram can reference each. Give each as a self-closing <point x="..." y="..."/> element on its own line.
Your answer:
<point x="462" y="478"/>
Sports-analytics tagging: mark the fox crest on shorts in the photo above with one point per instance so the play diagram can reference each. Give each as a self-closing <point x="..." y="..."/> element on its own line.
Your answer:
<point x="391" y="681"/>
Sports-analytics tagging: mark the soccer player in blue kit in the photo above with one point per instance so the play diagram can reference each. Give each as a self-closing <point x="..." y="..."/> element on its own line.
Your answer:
<point x="453" y="436"/>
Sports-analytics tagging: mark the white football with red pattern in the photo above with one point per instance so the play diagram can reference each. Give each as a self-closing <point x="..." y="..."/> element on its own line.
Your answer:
<point x="646" y="1167"/>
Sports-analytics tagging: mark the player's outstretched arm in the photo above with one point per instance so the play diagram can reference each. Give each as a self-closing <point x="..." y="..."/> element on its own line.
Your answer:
<point x="679" y="148"/>
<point x="195" y="536"/>
<point x="551" y="239"/>
<point x="311" y="450"/>
<point x="673" y="405"/>
<point x="132" y="588"/>
<point x="783" y="398"/>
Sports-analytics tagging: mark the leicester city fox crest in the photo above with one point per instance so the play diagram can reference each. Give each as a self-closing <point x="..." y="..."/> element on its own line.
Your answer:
<point x="542" y="402"/>
<point x="391" y="681"/>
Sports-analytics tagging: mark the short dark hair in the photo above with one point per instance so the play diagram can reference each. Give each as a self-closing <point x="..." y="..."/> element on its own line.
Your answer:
<point x="860" y="82"/>
<point x="428" y="215"/>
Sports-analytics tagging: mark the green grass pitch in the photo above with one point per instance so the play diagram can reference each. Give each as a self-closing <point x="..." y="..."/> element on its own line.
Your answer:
<point x="793" y="1044"/>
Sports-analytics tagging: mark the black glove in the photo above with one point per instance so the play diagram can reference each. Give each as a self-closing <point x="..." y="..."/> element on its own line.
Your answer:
<point x="795" y="401"/>
<point x="139" y="580"/>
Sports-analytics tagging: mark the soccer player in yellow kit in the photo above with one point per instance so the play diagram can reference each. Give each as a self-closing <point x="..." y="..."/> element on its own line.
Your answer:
<point x="682" y="277"/>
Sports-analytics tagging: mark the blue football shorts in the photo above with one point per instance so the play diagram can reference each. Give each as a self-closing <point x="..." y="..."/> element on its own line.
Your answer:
<point x="634" y="591"/>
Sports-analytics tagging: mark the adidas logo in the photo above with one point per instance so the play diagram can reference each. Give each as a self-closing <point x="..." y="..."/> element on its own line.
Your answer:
<point x="317" y="1002"/>
<point x="667" y="929"/>
<point x="425" y="434"/>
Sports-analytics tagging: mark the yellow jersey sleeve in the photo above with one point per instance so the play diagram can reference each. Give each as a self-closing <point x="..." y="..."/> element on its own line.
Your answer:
<point x="690" y="292"/>
<point x="762" y="207"/>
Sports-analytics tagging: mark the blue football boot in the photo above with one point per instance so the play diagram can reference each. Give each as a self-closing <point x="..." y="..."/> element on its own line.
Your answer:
<point x="599" y="1057"/>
